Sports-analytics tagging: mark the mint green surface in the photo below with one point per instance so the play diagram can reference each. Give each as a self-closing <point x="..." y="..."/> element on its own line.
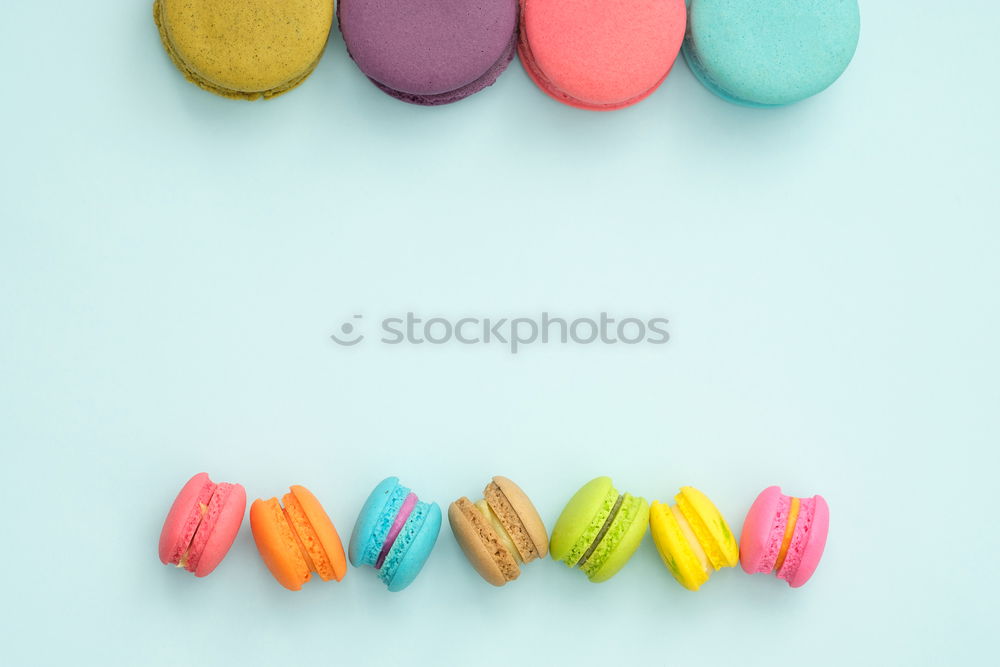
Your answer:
<point x="770" y="52"/>
<point x="172" y="265"/>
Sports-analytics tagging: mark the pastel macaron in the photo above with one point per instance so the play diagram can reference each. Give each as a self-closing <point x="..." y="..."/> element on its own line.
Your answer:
<point x="202" y="524"/>
<point x="430" y="53"/>
<point x="600" y="54"/>
<point x="244" y="49"/>
<point x="395" y="533"/>
<point x="784" y="535"/>
<point x="499" y="532"/>
<point x="599" y="529"/>
<point x="296" y="538"/>
<point x="692" y="537"/>
<point x="765" y="53"/>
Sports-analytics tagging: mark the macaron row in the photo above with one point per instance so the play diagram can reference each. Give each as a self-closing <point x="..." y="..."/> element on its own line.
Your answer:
<point x="591" y="54"/>
<point x="597" y="532"/>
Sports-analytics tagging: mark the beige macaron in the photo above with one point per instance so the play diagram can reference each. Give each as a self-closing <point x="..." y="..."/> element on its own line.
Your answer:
<point x="500" y="532"/>
<point x="245" y="49"/>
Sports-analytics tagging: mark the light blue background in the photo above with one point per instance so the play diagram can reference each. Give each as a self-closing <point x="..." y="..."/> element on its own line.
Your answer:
<point x="171" y="264"/>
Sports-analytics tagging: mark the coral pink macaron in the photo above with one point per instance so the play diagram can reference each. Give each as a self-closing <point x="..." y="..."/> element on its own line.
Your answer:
<point x="600" y="54"/>
<point x="784" y="535"/>
<point x="202" y="524"/>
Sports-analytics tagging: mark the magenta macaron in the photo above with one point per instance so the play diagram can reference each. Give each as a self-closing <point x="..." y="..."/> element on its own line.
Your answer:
<point x="430" y="53"/>
<point x="784" y="535"/>
<point x="202" y="524"/>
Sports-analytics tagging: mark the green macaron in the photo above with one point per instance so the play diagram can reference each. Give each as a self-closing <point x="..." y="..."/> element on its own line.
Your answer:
<point x="599" y="529"/>
<point x="769" y="53"/>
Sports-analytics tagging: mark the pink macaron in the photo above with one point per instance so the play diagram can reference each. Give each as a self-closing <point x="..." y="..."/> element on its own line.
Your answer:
<point x="600" y="54"/>
<point x="202" y="524"/>
<point x="784" y="535"/>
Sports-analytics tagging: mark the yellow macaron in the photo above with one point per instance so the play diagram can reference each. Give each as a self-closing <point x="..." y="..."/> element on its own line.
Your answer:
<point x="245" y="49"/>
<point x="692" y="537"/>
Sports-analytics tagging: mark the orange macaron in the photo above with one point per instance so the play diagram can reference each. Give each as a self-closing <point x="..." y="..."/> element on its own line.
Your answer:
<point x="297" y="539"/>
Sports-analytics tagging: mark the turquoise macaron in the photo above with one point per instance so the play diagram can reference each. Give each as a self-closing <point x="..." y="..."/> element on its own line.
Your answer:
<point x="768" y="53"/>
<point x="395" y="533"/>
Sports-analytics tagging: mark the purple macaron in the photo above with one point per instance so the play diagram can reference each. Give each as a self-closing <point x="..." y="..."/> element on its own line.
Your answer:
<point x="430" y="51"/>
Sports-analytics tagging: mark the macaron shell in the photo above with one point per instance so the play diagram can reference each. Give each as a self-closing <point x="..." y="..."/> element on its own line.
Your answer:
<point x="368" y="520"/>
<point x="418" y="48"/>
<point x="184" y="517"/>
<point x="277" y="545"/>
<point x="600" y="54"/>
<point x="607" y="541"/>
<point x="486" y="80"/>
<point x="527" y="518"/>
<point x="816" y="543"/>
<point x="582" y="516"/>
<point x="628" y="544"/>
<point x="218" y="528"/>
<point x="719" y="543"/>
<point x="417" y="552"/>
<point x="773" y="52"/>
<point x="245" y="48"/>
<point x="406" y="535"/>
<point x="674" y="549"/>
<point x="482" y="555"/>
<point x="227" y="526"/>
<point x="755" y="537"/>
<point x="326" y="533"/>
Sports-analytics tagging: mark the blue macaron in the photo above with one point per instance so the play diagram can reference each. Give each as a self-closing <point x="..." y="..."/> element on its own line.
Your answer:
<point x="395" y="533"/>
<point x="766" y="53"/>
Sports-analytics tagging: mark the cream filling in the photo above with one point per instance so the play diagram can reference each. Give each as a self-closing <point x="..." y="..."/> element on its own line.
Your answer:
<point x="604" y="531"/>
<point x="501" y="532"/>
<point x="183" y="560"/>
<point x="692" y="540"/>
<point x="298" y="541"/>
<point x="793" y="518"/>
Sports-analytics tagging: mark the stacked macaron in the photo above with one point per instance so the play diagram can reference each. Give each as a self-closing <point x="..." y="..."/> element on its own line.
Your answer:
<point x="784" y="535"/>
<point x="297" y="539"/>
<point x="202" y="524"/>
<point x="598" y="531"/>
<point x="591" y="54"/>
<point x="430" y="53"/>
<point x="692" y="537"/>
<point x="395" y="533"/>
<point x="500" y="532"/>
<point x="766" y="53"/>
<point x="600" y="54"/>
<point x="244" y="49"/>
